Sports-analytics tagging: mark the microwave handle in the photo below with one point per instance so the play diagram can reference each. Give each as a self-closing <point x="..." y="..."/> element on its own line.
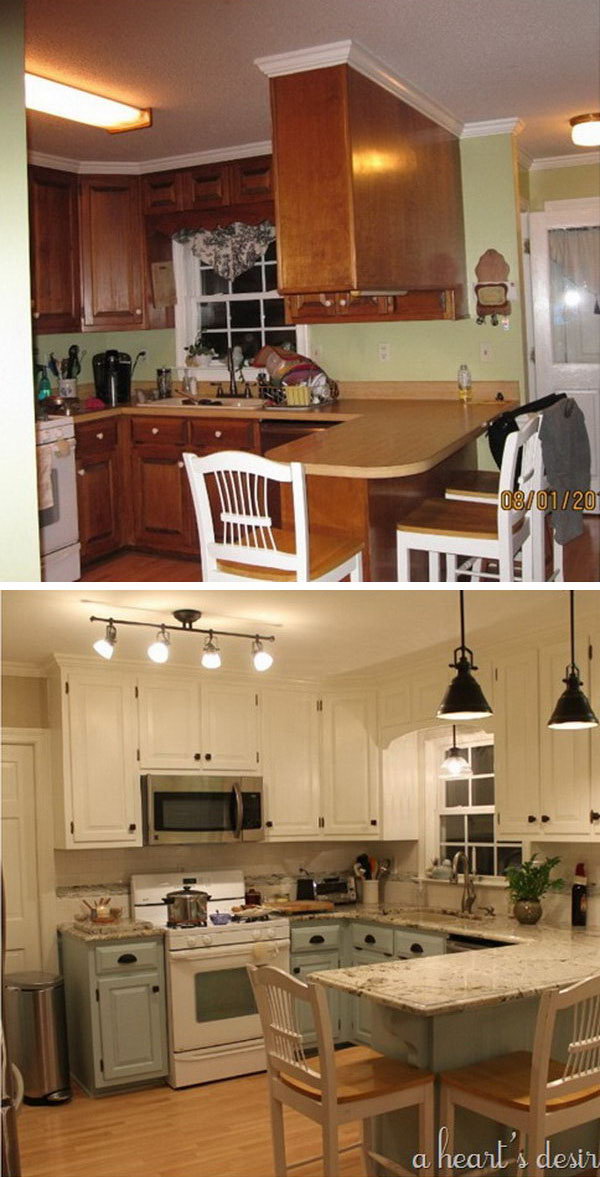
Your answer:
<point x="239" y="811"/>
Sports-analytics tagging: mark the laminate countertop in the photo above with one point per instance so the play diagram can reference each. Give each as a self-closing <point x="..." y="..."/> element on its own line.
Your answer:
<point x="374" y="439"/>
<point x="538" y="958"/>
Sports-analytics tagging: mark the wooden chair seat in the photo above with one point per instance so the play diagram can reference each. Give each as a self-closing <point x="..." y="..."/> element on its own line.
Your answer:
<point x="361" y="1073"/>
<point x="326" y="553"/>
<point x="479" y="485"/>
<point x="506" y="1080"/>
<point x="446" y="517"/>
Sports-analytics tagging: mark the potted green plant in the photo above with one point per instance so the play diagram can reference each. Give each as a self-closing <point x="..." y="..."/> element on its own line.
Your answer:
<point x="197" y="353"/>
<point x="527" y="883"/>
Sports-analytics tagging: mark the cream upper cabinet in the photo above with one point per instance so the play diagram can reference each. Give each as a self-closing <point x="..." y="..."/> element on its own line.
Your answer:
<point x="230" y="729"/>
<point x="290" y="748"/>
<point x="350" y="765"/>
<point x="516" y="710"/>
<point x="565" y="792"/>
<point x="170" y="721"/>
<point x="95" y="770"/>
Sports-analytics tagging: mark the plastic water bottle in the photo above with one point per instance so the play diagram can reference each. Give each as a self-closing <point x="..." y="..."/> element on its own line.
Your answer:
<point x="464" y="384"/>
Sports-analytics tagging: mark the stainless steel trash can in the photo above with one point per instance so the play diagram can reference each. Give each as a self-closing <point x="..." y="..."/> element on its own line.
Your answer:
<point x="36" y="1034"/>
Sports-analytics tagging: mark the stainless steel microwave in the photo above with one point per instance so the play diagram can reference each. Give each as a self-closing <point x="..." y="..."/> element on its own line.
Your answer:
<point x="202" y="809"/>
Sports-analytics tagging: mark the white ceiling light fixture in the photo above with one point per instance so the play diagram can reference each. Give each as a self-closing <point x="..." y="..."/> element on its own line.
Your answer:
<point x="79" y="106"/>
<point x="585" y="129"/>
<point x="159" y="649"/>
<point x="455" y="764"/>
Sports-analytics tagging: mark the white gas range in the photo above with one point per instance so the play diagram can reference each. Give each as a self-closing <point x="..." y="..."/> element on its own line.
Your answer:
<point x="214" y="1028"/>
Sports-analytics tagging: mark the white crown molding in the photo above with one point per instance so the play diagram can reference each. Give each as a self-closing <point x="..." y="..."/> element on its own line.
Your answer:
<point x="364" y="62"/>
<point x="21" y="670"/>
<point x="565" y="161"/>
<point x="512" y="126"/>
<point x="142" y="167"/>
<point x="525" y="159"/>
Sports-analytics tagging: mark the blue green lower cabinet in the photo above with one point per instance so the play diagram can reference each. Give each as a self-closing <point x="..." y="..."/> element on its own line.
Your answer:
<point x="116" y="1011"/>
<point x="301" y="965"/>
<point x="361" y="1007"/>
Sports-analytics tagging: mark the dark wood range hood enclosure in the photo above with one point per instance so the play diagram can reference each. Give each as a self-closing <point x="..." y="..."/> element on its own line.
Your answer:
<point x="368" y="190"/>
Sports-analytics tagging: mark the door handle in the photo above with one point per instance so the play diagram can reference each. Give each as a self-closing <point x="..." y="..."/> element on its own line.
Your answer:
<point x="239" y="811"/>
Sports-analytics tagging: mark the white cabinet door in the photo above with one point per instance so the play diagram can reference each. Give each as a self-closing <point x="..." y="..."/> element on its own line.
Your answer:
<point x="101" y="751"/>
<point x="516" y="709"/>
<point x="170" y="728"/>
<point x="564" y="756"/>
<point x="350" y="765"/>
<point x="290" y="752"/>
<point x="594" y="697"/>
<point x="230" y="731"/>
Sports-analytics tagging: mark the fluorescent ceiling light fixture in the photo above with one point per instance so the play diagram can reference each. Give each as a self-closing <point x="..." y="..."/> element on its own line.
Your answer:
<point x="68" y="102"/>
<point x="585" y="129"/>
<point x="158" y="651"/>
<point x="454" y="763"/>
<point x="211" y="657"/>
<point x="573" y="710"/>
<point x="464" y="698"/>
<point x="105" y="646"/>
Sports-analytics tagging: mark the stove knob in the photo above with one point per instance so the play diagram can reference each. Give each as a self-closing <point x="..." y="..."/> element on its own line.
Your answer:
<point x="190" y="941"/>
<point x="206" y="940"/>
<point x="257" y="935"/>
<point x="270" y="934"/>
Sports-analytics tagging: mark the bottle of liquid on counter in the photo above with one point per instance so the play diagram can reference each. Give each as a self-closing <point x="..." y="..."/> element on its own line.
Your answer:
<point x="579" y="893"/>
<point x="44" y="389"/>
<point x="464" y="384"/>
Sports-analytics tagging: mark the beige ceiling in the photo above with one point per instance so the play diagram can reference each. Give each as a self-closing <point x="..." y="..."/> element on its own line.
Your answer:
<point x="192" y="61"/>
<point x="322" y="632"/>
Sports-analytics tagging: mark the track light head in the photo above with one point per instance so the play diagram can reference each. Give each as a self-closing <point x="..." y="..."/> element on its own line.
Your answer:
<point x="158" y="650"/>
<point x="261" y="658"/>
<point x="105" y="646"/>
<point x="211" y="657"/>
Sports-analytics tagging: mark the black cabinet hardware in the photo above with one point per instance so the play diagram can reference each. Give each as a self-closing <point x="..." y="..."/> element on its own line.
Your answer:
<point x="369" y="939"/>
<point x="416" y="948"/>
<point x="531" y="818"/>
<point x="594" y="815"/>
<point x="208" y="756"/>
<point x="269" y="824"/>
<point x="296" y="970"/>
<point x="373" y="821"/>
<point x="132" y="826"/>
<point x="317" y="940"/>
<point x="197" y="756"/>
<point x="127" y="958"/>
<point x="545" y="818"/>
<point x="156" y="988"/>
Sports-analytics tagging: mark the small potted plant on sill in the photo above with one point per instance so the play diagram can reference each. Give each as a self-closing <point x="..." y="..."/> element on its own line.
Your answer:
<point x="198" y="355"/>
<point x="527" y="883"/>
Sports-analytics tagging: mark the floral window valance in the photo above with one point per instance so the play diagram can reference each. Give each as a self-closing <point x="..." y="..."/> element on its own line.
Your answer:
<point x="229" y="251"/>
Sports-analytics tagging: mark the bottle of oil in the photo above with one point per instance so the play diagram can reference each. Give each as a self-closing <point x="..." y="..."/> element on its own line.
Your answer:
<point x="464" y="384"/>
<point x="579" y="897"/>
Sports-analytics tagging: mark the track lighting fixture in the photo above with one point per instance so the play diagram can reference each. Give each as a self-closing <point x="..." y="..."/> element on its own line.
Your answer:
<point x="105" y="646"/>
<point x="454" y="763"/>
<point x="464" y="698"/>
<point x="573" y="710"/>
<point x="159" y="649"/>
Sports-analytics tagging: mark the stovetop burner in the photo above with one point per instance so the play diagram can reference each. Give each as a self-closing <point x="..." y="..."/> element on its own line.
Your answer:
<point x="180" y="925"/>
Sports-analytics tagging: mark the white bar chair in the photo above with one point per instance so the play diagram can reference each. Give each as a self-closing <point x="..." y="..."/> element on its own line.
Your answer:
<point x="531" y="1092"/>
<point x="332" y="1088"/>
<point x="250" y="547"/>
<point x="468" y="533"/>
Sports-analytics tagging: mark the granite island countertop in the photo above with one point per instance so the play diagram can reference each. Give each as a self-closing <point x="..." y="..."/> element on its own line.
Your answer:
<point x="536" y="959"/>
<point x="121" y="930"/>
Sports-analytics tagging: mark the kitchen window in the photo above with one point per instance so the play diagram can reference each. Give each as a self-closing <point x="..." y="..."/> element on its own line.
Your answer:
<point x="467" y="813"/>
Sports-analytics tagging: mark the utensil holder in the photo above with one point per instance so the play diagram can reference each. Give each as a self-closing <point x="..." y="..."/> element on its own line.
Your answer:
<point x="370" y="893"/>
<point x="67" y="388"/>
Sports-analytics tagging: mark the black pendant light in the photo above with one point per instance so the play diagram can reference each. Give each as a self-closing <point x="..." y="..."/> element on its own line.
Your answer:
<point x="573" y="710"/>
<point x="464" y="698"/>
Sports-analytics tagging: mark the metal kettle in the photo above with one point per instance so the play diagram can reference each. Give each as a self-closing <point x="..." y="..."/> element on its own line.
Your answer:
<point x="187" y="907"/>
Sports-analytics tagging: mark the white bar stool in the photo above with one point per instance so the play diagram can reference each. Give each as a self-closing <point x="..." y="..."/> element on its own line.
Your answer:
<point x="335" y="1087"/>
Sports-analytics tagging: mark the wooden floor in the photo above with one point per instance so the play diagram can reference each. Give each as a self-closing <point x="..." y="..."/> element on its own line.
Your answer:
<point x="218" y="1130"/>
<point x="582" y="563"/>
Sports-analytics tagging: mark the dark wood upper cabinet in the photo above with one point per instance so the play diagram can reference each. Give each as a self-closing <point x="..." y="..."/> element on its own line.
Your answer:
<point x="54" y="230"/>
<point x="112" y="253"/>
<point x="251" y="179"/>
<point x="377" y="205"/>
<point x="207" y="186"/>
<point x="163" y="191"/>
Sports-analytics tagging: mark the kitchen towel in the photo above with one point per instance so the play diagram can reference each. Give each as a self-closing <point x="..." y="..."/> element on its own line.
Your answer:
<point x="44" y="473"/>
<point x="567" y="460"/>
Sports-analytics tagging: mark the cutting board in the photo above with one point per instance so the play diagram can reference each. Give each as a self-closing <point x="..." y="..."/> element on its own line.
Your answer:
<point x="301" y="906"/>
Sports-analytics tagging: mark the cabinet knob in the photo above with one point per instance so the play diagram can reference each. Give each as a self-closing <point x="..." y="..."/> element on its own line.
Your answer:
<point x="208" y="756"/>
<point x="531" y="817"/>
<point x="155" y="430"/>
<point x="327" y="302"/>
<point x="296" y="970"/>
<point x="269" y="824"/>
<point x="100" y="436"/>
<point x="132" y="826"/>
<point x="343" y="302"/>
<point x="545" y="818"/>
<point x="197" y="756"/>
<point x="156" y="988"/>
<point x="369" y="939"/>
<point x="594" y="815"/>
<point x="138" y="310"/>
<point x="373" y="821"/>
<point x="180" y="464"/>
<point x="81" y="473"/>
<point x="218" y="432"/>
<point x="36" y="314"/>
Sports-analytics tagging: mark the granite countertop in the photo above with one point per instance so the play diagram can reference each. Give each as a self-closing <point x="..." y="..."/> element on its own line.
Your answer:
<point x="538" y="958"/>
<point x="122" y="930"/>
<point x="485" y="926"/>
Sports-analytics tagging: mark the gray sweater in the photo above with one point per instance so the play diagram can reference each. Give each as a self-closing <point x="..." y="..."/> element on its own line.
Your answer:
<point x="567" y="459"/>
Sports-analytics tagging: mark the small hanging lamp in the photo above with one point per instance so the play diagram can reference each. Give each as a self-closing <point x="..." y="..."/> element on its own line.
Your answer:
<point x="573" y="710"/>
<point x="464" y="698"/>
<point x="454" y="763"/>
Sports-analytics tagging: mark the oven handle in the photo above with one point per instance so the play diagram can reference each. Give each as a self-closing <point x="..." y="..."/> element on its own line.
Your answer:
<point x="239" y="811"/>
<point x="227" y="952"/>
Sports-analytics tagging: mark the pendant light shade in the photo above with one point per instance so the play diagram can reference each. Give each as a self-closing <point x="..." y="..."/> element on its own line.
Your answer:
<point x="573" y="710"/>
<point x="454" y="763"/>
<point x="464" y="698"/>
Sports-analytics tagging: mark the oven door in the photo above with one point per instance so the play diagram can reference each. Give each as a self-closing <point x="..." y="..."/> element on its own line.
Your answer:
<point x="211" y="1000"/>
<point x="59" y="525"/>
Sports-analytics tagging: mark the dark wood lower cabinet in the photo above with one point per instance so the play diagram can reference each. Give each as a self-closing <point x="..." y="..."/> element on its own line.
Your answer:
<point x="98" y="505"/>
<point x="162" y="508"/>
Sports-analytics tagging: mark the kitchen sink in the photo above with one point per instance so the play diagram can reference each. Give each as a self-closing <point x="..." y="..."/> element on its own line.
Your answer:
<point x="176" y="402"/>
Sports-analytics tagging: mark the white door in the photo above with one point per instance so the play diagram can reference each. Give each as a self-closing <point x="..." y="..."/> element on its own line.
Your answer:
<point x="594" y="696"/>
<point x="230" y="717"/>
<point x="105" y="777"/>
<point x="516" y="707"/>
<point x="19" y="858"/>
<point x="170" y="728"/>
<point x="290" y="750"/>
<point x="565" y="275"/>
<point x="350" y="765"/>
<point x="564" y="756"/>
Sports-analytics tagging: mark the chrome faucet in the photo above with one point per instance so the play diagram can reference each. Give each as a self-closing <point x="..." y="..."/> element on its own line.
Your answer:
<point x="469" y="894"/>
<point x="231" y="368"/>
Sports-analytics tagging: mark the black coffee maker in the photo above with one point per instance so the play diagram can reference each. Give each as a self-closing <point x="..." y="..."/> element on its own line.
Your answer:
<point x="112" y="377"/>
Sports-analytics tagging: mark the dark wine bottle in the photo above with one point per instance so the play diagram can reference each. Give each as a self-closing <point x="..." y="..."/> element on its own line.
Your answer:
<point x="579" y="897"/>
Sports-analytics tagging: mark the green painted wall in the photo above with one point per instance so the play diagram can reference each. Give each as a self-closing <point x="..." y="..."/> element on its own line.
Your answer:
<point x="570" y="183"/>
<point x="19" y="548"/>
<point x="160" y="346"/>
<point x="433" y="351"/>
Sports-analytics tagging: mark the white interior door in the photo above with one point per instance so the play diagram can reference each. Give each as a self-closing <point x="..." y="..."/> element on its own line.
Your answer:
<point x="565" y="276"/>
<point x="20" y="869"/>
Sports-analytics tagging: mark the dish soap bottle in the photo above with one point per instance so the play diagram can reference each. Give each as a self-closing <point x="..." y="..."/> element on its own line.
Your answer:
<point x="44" y="388"/>
<point x="579" y="897"/>
<point x="464" y="384"/>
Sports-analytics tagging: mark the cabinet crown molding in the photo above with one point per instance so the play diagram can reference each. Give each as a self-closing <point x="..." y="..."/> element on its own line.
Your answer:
<point x="144" y="167"/>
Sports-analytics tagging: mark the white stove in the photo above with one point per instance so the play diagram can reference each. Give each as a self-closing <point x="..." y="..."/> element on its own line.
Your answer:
<point x="58" y="521"/>
<point x="214" y="1028"/>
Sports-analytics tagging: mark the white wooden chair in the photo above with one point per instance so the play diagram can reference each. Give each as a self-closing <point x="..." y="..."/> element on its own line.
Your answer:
<point x="250" y="547"/>
<point x="531" y="1092"/>
<point x="332" y="1088"/>
<point x="468" y="533"/>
